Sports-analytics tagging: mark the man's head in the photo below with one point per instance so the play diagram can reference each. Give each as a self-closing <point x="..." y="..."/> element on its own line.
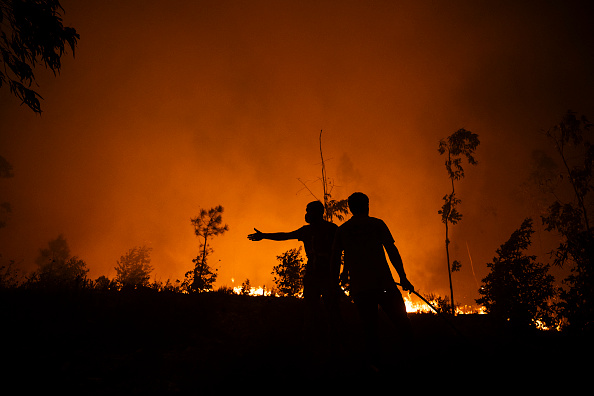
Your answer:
<point x="314" y="211"/>
<point x="359" y="204"/>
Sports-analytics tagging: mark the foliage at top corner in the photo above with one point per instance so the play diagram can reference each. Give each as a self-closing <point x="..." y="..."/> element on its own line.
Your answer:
<point x="31" y="33"/>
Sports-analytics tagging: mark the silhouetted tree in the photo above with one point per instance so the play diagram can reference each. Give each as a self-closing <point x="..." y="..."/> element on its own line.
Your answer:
<point x="518" y="289"/>
<point x="10" y="276"/>
<point x="168" y="286"/>
<point x="569" y="215"/>
<point x="103" y="283"/>
<point x="208" y="224"/>
<point x="442" y="304"/>
<point x="246" y="288"/>
<point x="461" y="143"/>
<point x="57" y="269"/>
<point x="133" y="269"/>
<point x="332" y="208"/>
<point x="31" y="33"/>
<point x="202" y="277"/>
<point x="289" y="273"/>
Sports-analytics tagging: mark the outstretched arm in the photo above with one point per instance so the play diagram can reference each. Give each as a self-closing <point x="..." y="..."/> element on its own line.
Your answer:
<point x="396" y="261"/>
<point x="274" y="236"/>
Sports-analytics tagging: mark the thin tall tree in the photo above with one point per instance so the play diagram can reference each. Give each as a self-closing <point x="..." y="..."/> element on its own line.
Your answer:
<point x="208" y="224"/>
<point x="332" y="207"/>
<point x="458" y="145"/>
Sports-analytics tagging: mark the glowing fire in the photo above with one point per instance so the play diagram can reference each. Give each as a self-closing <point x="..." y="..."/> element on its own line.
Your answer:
<point x="253" y="291"/>
<point x="417" y="306"/>
<point x="421" y="307"/>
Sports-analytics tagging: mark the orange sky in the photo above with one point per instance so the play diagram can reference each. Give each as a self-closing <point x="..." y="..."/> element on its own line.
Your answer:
<point x="170" y="106"/>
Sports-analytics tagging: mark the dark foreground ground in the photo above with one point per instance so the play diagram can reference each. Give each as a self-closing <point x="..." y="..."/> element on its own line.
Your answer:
<point x="157" y="343"/>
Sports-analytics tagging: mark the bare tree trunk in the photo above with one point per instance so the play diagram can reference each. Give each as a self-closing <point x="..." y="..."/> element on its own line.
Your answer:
<point x="204" y="251"/>
<point x="327" y="213"/>
<point x="447" y="243"/>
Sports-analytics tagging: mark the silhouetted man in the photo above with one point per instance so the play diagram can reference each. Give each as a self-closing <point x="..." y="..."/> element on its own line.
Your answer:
<point x="320" y="280"/>
<point x="363" y="239"/>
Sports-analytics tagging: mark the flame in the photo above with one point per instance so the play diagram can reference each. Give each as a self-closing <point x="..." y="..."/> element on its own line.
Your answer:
<point x="254" y="291"/>
<point x="421" y="307"/>
<point x="415" y="307"/>
<point x="411" y="306"/>
<point x="540" y="325"/>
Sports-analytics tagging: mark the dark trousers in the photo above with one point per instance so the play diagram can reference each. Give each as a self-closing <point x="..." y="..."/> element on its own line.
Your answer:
<point x="392" y="303"/>
<point x="321" y="297"/>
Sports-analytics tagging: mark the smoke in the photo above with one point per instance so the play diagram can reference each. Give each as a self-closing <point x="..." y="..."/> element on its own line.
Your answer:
<point x="170" y="107"/>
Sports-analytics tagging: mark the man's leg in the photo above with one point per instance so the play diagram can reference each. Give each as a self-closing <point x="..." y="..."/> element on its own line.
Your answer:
<point x="335" y="324"/>
<point x="393" y="305"/>
<point x="367" y="306"/>
<point x="313" y="316"/>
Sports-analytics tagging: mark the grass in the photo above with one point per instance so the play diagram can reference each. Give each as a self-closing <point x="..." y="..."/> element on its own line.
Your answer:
<point x="165" y="343"/>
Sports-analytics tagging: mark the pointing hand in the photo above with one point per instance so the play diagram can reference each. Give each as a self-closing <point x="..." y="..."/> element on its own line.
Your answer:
<point x="257" y="236"/>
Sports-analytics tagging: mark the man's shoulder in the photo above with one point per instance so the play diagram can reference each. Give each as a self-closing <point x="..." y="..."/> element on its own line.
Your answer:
<point x="346" y="224"/>
<point x="330" y="224"/>
<point x="367" y="223"/>
<point x="303" y="228"/>
<point x="301" y="231"/>
<point x="376" y="220"/>
<point x="312" y="228"/>
<point x="364" y="219"/>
